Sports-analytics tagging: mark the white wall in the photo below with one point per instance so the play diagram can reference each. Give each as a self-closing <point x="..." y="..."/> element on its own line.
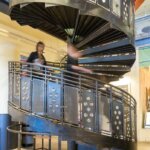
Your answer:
<point x="132" y="79"/>
<point x="7" y="53"/>
<point x="143" y="135"/>
<point x="10" y="50"/>
<point x="15" y="41"/>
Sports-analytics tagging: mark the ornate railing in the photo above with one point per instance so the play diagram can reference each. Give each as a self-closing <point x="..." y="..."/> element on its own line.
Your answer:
<point x="102" y="29"/>
<point x="72" y="99"/>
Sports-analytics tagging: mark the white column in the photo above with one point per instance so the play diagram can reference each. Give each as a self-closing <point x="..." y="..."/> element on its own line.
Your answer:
<point x="7" y="53"/>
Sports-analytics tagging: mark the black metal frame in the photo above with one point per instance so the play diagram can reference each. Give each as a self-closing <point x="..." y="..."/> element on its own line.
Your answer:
<point x="108" y="40"/>
<point x="93" y="10"/>
<point x="84" y="84"/>
<point x="96" y="29"/>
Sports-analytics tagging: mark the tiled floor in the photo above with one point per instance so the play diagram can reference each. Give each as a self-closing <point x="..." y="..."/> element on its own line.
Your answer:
<point x="141" y="146"/>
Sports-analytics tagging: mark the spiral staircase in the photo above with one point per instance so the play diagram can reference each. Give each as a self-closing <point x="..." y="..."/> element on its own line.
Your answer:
<point x="102" y="30"/>
<point x="79" y="108"/>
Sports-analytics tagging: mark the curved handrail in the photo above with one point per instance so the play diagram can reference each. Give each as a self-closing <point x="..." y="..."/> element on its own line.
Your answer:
<point x="86" y="85"/>
<point x="108" y="32"/>
<point x="100" y="12"/>
<point x="78" y="74"/>
<point x="10" y="129"/>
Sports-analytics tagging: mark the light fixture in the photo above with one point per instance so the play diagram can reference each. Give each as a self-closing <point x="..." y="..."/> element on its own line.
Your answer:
<point x="69" y="31"/>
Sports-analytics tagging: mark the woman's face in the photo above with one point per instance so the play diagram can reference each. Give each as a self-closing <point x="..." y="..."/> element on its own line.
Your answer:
<point x="40" y="49"/>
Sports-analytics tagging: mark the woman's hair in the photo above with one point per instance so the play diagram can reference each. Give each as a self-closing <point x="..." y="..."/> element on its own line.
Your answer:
<point x="39" y="43"/>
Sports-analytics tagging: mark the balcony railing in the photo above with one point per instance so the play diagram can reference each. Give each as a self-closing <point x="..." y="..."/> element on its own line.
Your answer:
<point x="72" y="99"/>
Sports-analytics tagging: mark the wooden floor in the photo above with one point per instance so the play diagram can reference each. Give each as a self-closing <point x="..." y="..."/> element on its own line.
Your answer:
<point x="144" y="146"/>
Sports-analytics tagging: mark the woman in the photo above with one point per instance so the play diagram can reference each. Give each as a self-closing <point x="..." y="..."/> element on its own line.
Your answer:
<point x="37" y="58"/>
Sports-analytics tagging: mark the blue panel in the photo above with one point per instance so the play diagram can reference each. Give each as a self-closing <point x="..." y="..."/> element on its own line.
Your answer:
<point x="10" y="87"/>
<point x="54" y="100"/>
<point x="16" y="89"/>
<point x="142" y="42"/>
<point x="38" y="98"/>
<point x="4" y="122"/>
<point x="86" y="147"/>
<point x="42" y="125"/>
<point x="26" y="93"/>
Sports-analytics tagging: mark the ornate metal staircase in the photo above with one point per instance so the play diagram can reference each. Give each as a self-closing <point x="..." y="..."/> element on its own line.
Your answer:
<point x="71" y="105"/>
<point x="102" y="29"/>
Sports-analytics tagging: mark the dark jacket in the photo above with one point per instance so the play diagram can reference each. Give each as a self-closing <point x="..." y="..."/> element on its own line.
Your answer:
<point x="34" y="56"/>
<point x="71" y="61"/>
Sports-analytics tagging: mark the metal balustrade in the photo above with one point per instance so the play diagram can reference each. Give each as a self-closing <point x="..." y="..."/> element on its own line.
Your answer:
<point x="72" y="99"/>
<point x="18" y="129"/>
<point x="104" y="31"/>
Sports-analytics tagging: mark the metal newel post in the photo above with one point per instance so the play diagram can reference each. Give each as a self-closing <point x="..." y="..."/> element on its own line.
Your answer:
<point x="20" y="137"/>
<point x="96" y="109"/>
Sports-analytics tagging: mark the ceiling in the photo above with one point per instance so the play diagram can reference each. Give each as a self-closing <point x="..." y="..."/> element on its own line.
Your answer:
<point x="143" y="10"/>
